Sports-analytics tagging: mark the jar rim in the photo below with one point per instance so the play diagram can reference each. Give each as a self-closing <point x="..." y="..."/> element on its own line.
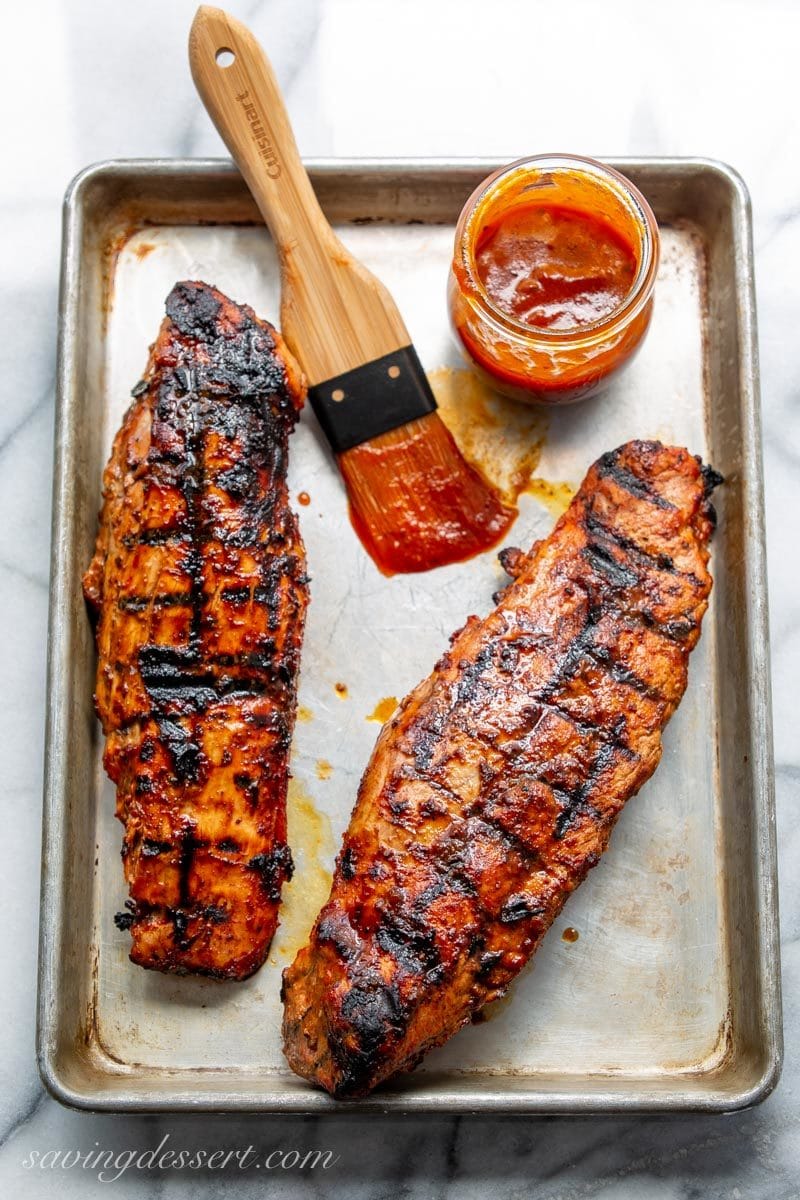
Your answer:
<point x="641" y="288"/>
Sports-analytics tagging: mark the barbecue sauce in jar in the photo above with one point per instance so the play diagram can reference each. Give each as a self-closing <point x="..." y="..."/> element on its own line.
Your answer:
<point x="554" y="268"/>
<point x="551" y="288"/>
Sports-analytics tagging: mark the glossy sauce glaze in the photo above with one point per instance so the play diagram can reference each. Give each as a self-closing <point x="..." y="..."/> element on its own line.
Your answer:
<point x="554" y="267"/>
<point x="494" y="788"/>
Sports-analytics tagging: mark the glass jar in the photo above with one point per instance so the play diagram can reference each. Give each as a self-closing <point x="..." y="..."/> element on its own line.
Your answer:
<point x="548" y="365"/>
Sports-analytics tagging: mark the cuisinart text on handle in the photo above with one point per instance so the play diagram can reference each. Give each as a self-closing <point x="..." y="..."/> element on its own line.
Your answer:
<point x="259" y="135"/>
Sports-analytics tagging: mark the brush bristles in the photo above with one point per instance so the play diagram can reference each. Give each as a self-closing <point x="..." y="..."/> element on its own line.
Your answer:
<point x="416" y="503"/>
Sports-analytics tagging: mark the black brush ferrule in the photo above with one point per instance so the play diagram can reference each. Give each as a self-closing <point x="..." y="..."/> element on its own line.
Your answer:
<point x="372" y="399"/>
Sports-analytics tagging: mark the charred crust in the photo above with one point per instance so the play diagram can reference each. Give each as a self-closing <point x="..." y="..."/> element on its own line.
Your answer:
<point x="572" y="656"/>
<point x="374" y="1021"/>
<point x="519" y="907"/>
<point x="487" y="963"/>
<point x="576" y="802"/>
<point x="349" y="863"/>
<point x="508" y="657"/>
<point x="249" y="786"/>
<point x="410" y="944"/>
<point x="273" y="869"/>
<point x="472" y="673"/>
<point x="152" y="848"/>
<point x="194" y="310"/>
<point x="476" y="944"/>
<point x="238" y="481"/>
<point x="511" y="559"/>
<point x="600" y="532"/>
<point x="610" y="466"/>
<point x="602" y="560"/>
<point x="335" y="930"/>
<point x="425" y="743"/>
<point x="187" y="757"/>
<point x="180" y="927"/>
<point x="678" y="631"/>
<point x="711" y="478"/>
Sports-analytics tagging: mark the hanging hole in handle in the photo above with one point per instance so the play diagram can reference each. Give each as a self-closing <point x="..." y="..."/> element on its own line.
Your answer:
<point x="225" y="57"/>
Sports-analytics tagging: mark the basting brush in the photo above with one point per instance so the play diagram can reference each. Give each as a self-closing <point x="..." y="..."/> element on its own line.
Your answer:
<point x="414" y="500"/>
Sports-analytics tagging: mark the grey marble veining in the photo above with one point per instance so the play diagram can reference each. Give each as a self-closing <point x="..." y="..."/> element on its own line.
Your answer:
<point x="373" y="77"/>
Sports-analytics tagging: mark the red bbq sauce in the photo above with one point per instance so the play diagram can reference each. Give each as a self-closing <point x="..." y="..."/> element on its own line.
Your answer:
<point x="391" y="481"/>
<point x="553" y="267"/>
<point x="551" y="287"/>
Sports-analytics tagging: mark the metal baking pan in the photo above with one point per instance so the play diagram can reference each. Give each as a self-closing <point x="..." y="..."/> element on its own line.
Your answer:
<point x="669" y="999"/>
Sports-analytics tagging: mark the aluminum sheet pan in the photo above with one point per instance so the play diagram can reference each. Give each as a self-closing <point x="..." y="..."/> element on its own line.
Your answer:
<point x="669" y="998"/>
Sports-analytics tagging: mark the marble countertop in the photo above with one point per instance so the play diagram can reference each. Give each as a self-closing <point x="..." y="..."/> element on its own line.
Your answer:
<point x="83" y="81"/>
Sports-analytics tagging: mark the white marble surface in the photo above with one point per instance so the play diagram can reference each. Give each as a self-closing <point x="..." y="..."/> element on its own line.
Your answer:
<point x="84" y="80"/>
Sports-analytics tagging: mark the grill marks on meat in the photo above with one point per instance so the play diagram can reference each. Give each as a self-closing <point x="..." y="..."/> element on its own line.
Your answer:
<point x="199" y="587"/>
<point x="494" y="789"/>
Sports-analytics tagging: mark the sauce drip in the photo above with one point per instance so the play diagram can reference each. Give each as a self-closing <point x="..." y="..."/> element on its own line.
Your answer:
<point x="143" y="249"/>
<point x="570" y="935"/>
<point x="303" y="498"/>
<point x="383" y="710"/>
<point x="341" y="690"/>
<point x="555" y="496"/>
<point x="313" y="846"/>
<point x="501" y="437"/>
<point x="552" y="267"/>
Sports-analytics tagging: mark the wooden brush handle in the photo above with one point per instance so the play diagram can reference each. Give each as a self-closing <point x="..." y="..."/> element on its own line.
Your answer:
<point x="335" y="315"/>
<point x="245" y="103"/>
